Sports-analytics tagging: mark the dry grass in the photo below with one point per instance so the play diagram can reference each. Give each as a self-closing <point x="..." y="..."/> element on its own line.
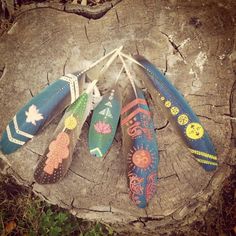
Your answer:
<point x="22" y="213"/>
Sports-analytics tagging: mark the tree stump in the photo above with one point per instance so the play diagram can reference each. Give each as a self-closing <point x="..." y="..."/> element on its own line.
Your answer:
<point x="192" y="41"/>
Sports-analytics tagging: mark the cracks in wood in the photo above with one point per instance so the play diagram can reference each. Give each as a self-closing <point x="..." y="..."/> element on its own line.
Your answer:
<point x="117" y="16"/>
<point x="104" y="50"/>
<point x="174" y="45"/>
<point x="145" y="220"/>
<point x="18" y="178"/>
<point x="136" y="48"/>
<point x="2" y="71"/>
<point x="163" y="127"/>
<point x="206" y="117"/>
<point x="48" y="82"/>
<point x="86" y="33"/>
<point x="67" y="205"/>
<point x="32" y="151"/>
<point x="31" y="93"/>
<point x="93" y="210"/>
<point x="166" y="66"/>
<point x="209" y="118"/>
<point x="95" y="12"/>
<point x="64" y="66"/>
<point x="232" y="103"/>
<point x="200" y="95"/>
<point x="91" y="181"/>
<point x="41" y="195"/>
<point x="168" y="176"/>
<point x="72" y="202"/>
<point x="229" y="116"/>
<point x="175" y="172"/>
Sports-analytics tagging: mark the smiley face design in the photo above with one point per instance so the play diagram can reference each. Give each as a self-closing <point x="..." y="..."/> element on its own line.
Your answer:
<point x="194" y="131"/>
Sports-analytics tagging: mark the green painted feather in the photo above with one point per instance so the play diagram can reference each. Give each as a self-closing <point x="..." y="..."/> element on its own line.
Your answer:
<point x="58" y="155"/>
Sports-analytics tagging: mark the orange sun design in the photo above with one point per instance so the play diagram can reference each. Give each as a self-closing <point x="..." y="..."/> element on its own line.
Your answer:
<point x="142" y="158"/>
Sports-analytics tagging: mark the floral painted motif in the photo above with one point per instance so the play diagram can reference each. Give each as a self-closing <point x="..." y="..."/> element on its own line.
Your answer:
<point x="102" y="127"/>
<point x="33" y="115"/>
<point x="151" y="185"/>
<point x="58" y="150"/>
<point x="136" y="188"/>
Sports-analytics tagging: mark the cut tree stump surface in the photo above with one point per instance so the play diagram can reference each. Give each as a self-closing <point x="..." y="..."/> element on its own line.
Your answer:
<point x="193" y="42"/>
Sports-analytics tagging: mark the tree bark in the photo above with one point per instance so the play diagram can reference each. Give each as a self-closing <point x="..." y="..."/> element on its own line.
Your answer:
<point x="192" y="41"/>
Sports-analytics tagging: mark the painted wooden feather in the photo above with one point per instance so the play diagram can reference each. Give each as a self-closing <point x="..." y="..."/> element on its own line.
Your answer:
<point x="181" y="115"/>
<point x="58" y="155"/>
<point x="39" y="111"/>
<point x="43" y="108"/>
<point x="104" y="124"/>
<point x="139" y="146"/>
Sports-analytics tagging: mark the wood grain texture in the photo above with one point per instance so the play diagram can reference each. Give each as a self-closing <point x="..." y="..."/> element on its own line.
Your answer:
<point x="193" y="42"/>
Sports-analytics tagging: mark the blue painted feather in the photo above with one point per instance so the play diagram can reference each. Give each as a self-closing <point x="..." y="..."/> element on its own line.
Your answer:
<point x="184" y="119"/>
<point x="39" y="111"/>
<point x="139" y="146"/>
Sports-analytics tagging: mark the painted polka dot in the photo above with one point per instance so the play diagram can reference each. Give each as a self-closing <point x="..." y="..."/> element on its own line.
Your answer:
<point x="168" y="104"/>
<point x="70" y="122"/>
<point x="174" y="110"/>
<point x="183" y="119"/>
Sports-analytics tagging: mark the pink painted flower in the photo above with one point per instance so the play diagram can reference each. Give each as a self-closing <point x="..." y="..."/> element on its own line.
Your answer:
<point x="102" y="128"/>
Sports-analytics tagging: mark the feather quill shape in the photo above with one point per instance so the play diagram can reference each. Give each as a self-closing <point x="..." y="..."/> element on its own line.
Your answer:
<point x="104" y="123"/>
<point x="58" y="155"/>
<point x="180" y="114"/>
<point x="51" y="101"/>
<point x="139" y="146"/>
<point x="39" y="111"/>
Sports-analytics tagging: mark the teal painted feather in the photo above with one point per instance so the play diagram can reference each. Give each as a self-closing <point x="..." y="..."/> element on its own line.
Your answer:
<point x="104" y="124"/>
<point x="58" y="156"/>
<point x="181" y="115"/>
<point x="40" y="111"/>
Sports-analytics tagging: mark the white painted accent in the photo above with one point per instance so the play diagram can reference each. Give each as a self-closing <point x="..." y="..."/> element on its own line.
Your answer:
<point x="96" y="150"/>
<point x="18" y="131"/>
<point x="106" y="112"/>
<point x="13" y="140"/>
<point x="109" y="113"/>
<point x="108" y="104"/>
<point x="74" y="86"/>
<point x="102" y="112"/>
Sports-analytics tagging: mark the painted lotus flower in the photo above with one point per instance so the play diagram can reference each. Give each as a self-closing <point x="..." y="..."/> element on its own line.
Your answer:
<point x="102" y="128"/>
